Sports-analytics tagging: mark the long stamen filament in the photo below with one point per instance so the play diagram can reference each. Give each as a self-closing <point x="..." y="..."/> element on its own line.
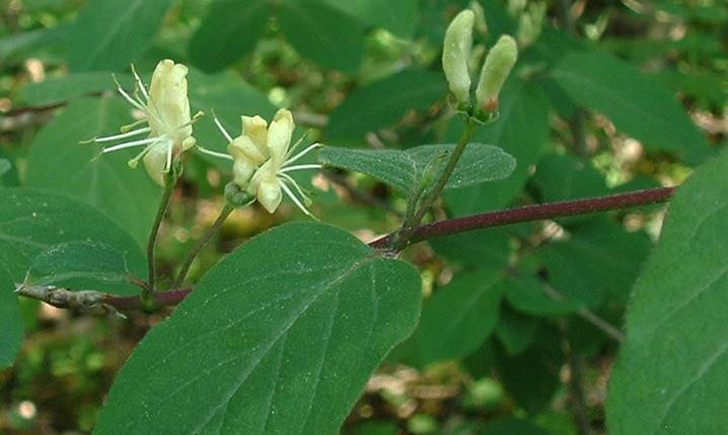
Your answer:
<point x="222" y="129"/>
<point x="297" y="144"/>
<point x="132" y="144"/>
<point x="118" y="136"/>
<point x="299" y="167"/>
<point x="168" y="165"/>
<point x="139" y="83"/>
<point x="194" y="119"/>
<point x="290" y="179"/>
<point x="302" y="153"/>
<point x="214" y="153"/>
<point x="135" y="161"/>
<point x="127" y="97"/>
<point x="127" y="128"/>
<point x="294" y="199"/>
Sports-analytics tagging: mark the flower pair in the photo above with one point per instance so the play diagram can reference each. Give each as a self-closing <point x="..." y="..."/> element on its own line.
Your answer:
<point x="262" y="155"/>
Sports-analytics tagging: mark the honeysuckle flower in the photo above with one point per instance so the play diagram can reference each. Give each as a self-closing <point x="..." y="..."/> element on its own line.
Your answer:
<point x="263" y="158"/>
<point x="456" y="54"/>
<point x="166" y="111"/>
<point x="498" y="65"/>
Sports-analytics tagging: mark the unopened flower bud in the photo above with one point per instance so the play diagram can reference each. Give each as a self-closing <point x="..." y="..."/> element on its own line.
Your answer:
<point x="456" y="53"/>
<point x="498" y="65"/>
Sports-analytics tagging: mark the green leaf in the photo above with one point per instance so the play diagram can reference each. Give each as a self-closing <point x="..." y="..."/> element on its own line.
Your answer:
<point x="11" y="323"/>
<point x="32" y="221"/>
<point x="677" y="337"/>
<point x="58" y="162"/>
<point x="515" y="331"/>
<point x="633" y="101"/>
<point x="460" y="317"/>
<point x="491" y="247"/>
<point x="404" y="169"/>
<point x="521" y="130"/>
<point x="382" y="103"/>
<point x="82" y="265"/>
<point x="532" y="377"/>
<point x="323" y="34"/>
<point x="513" y="426"/>
<point x="560" y="177"/>
<point x="228" y="32"/>
<point x="110" y="34"/>
<point x="600" y="259"/>
<point x="528" y="295"/>
<point x="269" y="347"/>
<point x="398" y="16"/>
<point x="56" y="90"/>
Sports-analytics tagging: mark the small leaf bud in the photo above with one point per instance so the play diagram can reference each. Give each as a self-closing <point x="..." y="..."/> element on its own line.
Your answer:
<point x="498" y="65"/>
<point x="456" y="53"/>
<point x="480" y="23"/>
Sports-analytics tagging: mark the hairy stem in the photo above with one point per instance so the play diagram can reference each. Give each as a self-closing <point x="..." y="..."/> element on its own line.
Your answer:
<point x="224" y="213"/>
<point x="169" y="183"/>
<point x="530" y="213"/>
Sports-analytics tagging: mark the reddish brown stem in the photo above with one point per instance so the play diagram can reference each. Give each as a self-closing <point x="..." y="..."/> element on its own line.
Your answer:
<point x="531" y="213"/>
<point x="160" y="299"/>
<point x="460" y="225"/>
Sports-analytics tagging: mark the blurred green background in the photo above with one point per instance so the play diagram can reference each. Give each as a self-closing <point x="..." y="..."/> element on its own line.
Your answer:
<point x="608" y="96"/>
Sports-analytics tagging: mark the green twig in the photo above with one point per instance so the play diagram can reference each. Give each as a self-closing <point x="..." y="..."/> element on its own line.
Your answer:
<point x="224" y="213"/>
<point x="169" y="182"/>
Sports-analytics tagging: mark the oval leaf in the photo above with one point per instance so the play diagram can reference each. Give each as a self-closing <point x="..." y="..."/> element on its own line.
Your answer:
<point x="279" y="338"/>
<point x="33" y="221"/>
<point x="672" y="372"/>
<point x="404" y="169"/>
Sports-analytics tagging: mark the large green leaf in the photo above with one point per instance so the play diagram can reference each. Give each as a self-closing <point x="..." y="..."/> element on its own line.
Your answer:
<point x="404" y="169"/>
<point x="279" y="338"/>
<point x="323" y="34"/>
<point x="11" y="324"/>
<point x="228" y="32"/>
<point x="110" y="34"/>
<point x="490" y="247"/>
<point x="33" y="221"/>
<point x="671" y="376"/>
<point x="636" y="104"/>
<point x="384" y="102"/>
<point x="60" y="163"/>
<point x="521" y="130"/>
<point x="460" y="317"/>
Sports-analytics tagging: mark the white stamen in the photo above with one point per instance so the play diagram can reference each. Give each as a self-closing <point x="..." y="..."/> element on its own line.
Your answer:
<point x="302" y="153"/>
<point x="120" y="136"/>
<point x="135" y="143"/>
<point x="299" y="167"/>
<point x="133" y="102"/>
<point x="222" y="129"/>
<point x="127" y="128"/>
<point x="214" y="153"/>
<point x="295" y="145"/>
<point x="139" y="83"/>
<point x="298" y="188"/>
<point x="135" y="161"/>
<point x="295" y="200"/>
